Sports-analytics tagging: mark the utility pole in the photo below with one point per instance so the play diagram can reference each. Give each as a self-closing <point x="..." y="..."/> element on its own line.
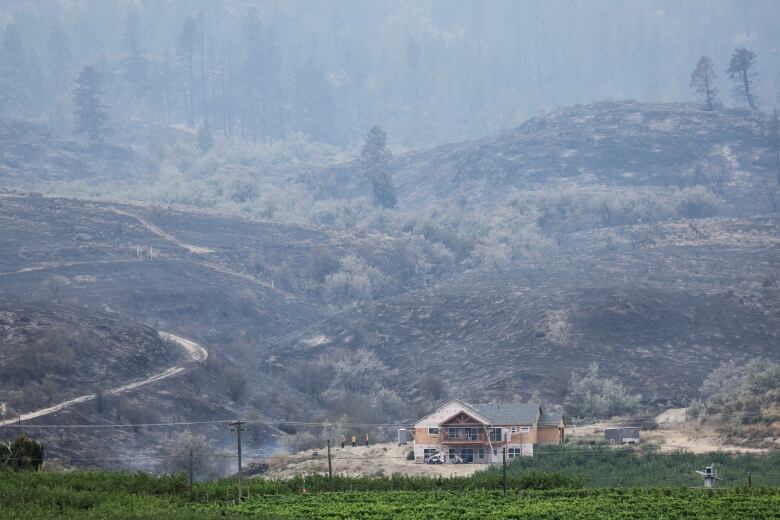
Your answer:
<point x="191" y="474"/>
<point x="504" y="457"/>
<point x="238" y="428"/>
<point x="330" y="468"/>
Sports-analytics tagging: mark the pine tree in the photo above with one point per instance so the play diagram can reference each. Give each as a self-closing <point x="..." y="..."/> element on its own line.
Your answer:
<point x="374" y="149"/>
<point x="135" y="66"/>
<point x="185" y="54"/>
<point x="205" y="138"/>
<point x="14" y="92"/>
<point x="741" y="71"/>
<point x="375" y="156"/>
<point x="773" y="138"/>
<point x="90" y="115"/>
<point x="60" y="59"/>
<point x="384" y="190"/>
<point x="703" y="82"/>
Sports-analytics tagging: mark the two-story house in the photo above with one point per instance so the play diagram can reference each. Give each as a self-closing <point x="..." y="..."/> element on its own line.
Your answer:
<point x="478" y="433"/>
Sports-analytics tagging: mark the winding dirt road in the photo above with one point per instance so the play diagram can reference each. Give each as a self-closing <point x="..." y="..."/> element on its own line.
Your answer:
<point x="197" y="354"/>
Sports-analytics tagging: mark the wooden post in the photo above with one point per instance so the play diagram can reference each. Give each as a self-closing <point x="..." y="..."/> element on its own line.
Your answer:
<point x="191" y="473"/>
<point x="330" y="468"/>
<point x="750" y="480"/>
<point x="237" y="427"/>
<point x="504" y="457"/>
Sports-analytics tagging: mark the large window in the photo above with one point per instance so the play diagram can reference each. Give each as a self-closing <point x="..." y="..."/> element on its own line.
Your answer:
<point x="433" y="431"/>
<point x="514" y="452"/>
<point x="495" y="434"/>
<point x="466" y="433"/>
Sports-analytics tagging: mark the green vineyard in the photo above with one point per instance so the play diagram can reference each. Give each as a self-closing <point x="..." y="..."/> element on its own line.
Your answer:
<point x="605" y="503"/>
<point x="115" y="495"/>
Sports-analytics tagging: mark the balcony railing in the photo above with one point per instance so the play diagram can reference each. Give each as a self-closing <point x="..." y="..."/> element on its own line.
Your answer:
<point x="463" y="437"/>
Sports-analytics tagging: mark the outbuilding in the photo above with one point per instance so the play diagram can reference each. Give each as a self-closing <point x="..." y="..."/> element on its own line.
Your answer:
<point x="622" y="435"/>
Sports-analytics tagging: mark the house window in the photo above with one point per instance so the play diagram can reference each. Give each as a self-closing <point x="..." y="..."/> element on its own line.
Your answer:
<point x="481" y="453"/>
<point x="495" y="434"/>
<point x="525" y="429"/>
<point x="467" y="454"/>
<point x="452" y="453"/>
<point x="433" y="431"/>
<point x="514" y="429"/>
<point x="514" y="452"/>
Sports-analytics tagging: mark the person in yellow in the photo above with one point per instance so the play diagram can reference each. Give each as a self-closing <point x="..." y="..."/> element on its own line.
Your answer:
<point x="354" y="441"/>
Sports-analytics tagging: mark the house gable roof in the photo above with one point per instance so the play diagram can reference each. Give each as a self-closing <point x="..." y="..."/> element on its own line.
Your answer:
<point x="446" y="412"/>
<point x="468" y="413"/>
<point x="510" y="413"/>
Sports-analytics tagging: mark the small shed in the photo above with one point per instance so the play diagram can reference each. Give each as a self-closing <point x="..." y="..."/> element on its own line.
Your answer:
<point x="622" y="435"/>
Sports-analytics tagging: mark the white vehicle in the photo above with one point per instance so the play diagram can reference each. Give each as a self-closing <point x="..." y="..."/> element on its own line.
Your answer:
<point x="437" y="458"/>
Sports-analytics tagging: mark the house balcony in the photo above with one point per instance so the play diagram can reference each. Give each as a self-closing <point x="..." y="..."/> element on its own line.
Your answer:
<point x="465" y="438"/>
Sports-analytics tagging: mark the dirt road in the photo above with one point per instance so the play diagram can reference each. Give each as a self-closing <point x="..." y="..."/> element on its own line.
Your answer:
<point x="197" y="355"/>
<point x="674" y="432"/>
<point x="378" y="459"/>
<point x="200" y="250"/>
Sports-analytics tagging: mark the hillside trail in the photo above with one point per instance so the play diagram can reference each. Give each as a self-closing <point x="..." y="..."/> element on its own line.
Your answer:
<point x="200" y="250"/>
<point x="197" y="354"/>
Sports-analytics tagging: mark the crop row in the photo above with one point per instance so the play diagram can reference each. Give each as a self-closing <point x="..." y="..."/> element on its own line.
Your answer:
<point x="634" y="504"/>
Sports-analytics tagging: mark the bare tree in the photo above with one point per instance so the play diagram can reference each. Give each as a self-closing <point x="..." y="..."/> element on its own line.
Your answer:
<point x="195" y="449"/>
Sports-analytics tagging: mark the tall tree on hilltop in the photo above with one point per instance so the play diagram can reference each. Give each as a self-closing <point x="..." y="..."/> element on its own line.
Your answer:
<point x="252" y="84"/>
<point x="60" y="59"/>
<point x="741" y="70"/>
<point x="90" y="115"/>
<point x="703" y="82"/>
<point x="773" y="138"/>
<point x="374" y="149"/>
<point x="185" y="55"/>
<point x="135" y="67"/>
<point x="13" y="71"/>
<point x="375" y="156"/>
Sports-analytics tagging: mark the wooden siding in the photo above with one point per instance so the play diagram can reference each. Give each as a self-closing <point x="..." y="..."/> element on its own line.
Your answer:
<point x="548" y="435"/>
<point x="421" y="436"/>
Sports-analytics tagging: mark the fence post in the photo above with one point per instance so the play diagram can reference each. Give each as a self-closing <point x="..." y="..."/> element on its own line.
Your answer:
<point x="191" y="474"/>
<point x="330" y="468"/>
<point x="504" y="457"/>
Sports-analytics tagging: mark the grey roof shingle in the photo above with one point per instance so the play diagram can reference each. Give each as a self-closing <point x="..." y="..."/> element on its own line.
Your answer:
<point x="550" y="418"/>
<point x="508" y="413"/>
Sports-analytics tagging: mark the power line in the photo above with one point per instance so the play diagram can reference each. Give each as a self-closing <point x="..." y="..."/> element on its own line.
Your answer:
<point x="273" y="422"/>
